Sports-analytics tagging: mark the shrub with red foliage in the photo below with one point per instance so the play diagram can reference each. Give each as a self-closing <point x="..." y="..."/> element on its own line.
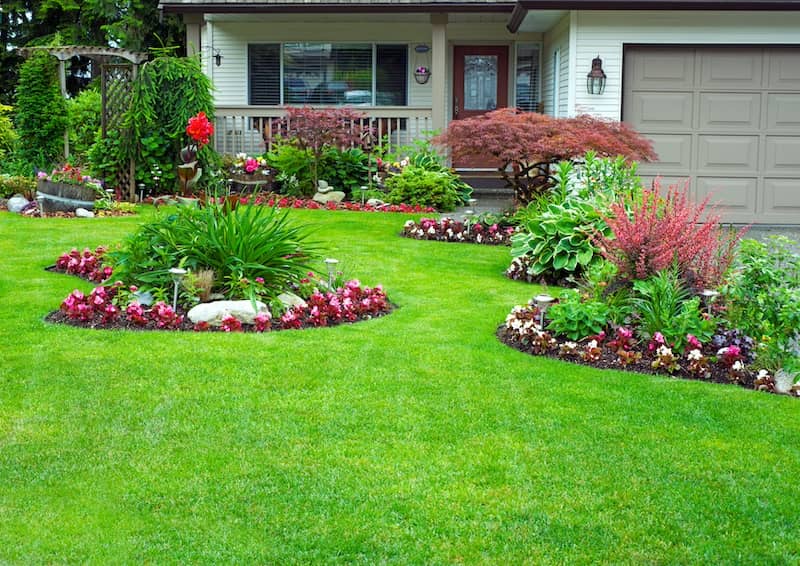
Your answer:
<point x="528" y="143"/>
<point x="653" y="232"/>
<point x="317" y="129"/>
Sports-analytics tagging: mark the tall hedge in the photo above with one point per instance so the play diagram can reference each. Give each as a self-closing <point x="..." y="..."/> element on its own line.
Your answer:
<point x="41" y="112"/>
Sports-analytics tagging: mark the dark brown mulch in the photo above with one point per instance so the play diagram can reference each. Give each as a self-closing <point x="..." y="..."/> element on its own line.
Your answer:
<point x="609" y="360"/>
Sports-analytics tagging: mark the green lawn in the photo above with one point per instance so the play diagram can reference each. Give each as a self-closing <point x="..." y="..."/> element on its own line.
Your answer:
<point x="414" y="438"/>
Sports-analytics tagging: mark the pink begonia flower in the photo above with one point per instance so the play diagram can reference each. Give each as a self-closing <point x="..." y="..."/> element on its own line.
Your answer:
<point x="250" y="165"/>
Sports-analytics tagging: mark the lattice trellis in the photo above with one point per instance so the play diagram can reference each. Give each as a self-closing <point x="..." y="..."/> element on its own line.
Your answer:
<point x="117" y="84"/>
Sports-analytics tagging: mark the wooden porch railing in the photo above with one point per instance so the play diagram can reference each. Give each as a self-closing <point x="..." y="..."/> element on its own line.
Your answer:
<point x="246" y="128"/>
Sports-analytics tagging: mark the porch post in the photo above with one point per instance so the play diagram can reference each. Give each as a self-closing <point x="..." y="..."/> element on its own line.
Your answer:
<point x="439" y="71"/>
<point x="193" y="23"/>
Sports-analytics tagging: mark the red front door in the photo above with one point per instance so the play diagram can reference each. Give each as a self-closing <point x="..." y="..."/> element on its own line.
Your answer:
<point x="480" y="84"/>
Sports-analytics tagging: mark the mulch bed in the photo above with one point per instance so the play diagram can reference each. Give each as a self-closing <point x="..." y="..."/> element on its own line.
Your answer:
<point x="609" y="360"/>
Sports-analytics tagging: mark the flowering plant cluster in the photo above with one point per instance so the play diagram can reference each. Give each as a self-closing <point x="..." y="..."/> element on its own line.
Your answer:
<point x="244" y="164"/>
<point x="70" y="175"/>
<point x="99" y="308"/>
<point x="348" y="303"/>
<point x="86" y="264"/>
<point x="200" y="129"/>
<point x="422" y="70"/>
<point x="294" y="202"/>
<point x="718" y="359"/>
<point x="449" y="230"/>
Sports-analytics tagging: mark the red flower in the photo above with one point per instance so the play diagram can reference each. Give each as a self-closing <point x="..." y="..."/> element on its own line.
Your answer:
<point x="200" y="129"/>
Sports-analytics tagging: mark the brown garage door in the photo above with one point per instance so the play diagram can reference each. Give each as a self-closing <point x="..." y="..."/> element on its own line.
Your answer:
<point x="728" y="117"/>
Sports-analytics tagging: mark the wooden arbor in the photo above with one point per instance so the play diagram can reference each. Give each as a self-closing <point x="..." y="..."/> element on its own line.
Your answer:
<point x="118" y="68"/>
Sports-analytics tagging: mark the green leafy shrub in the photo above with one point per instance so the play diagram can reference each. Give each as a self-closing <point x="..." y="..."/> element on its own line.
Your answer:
<point x="248" y="242"/>
<point x="291" y="162"/>
<point x="7" y="134"/>
<point x="83" y="112"/>
<point x="762" y="293"/>
<point x="576" y="316"/>
<point x="41" y="115"/>
<point x="11" y="185"/>
<point x="345" y="170"/>
<point x="663" y="303"/>
<point x="419" y="186"/>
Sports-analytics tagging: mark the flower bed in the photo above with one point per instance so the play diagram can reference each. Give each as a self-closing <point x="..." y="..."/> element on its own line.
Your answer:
<point x="723" y="359"/>
<point x="449" y="230"/>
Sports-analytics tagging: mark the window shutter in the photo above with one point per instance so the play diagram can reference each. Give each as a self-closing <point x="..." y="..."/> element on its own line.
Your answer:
<point x="264" y="60"/>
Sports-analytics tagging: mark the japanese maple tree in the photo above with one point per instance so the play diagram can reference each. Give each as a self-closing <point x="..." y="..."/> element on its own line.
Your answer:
<point x="526" y="144"/>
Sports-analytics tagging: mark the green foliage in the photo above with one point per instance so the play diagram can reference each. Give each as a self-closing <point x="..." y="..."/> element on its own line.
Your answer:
<point x="291" y="161"/>
<point x="41" y="115"/>
<point x="345" y="170"/>
<point x="664" y="304"/>
<point x="576" y="316"/>
<point x="11" y="185"/>
<point x="417" y="185"/>
<point x="763" y="293"/>
<point x="167" y="92"/>
<point x="106" y="156"/>
<point x="246" y="242"/>
<point x="83" y="112"/>
<point x="7" y="134"/>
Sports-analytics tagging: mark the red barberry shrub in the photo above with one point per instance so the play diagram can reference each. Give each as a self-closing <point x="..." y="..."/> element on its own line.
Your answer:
<point x="653" y="232"/>
<point x="526" y="144"/>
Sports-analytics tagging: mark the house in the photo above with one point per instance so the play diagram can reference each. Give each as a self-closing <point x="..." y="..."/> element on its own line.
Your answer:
<point x="715" y="85"/>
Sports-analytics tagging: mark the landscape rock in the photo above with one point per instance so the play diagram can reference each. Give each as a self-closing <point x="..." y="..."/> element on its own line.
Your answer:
<point x="17" y="203"/>
<point x="375" y="202"/>
<point x="323" y="187"/>
<point x="290" y="300"/>
<point x="335" y="196"/>
<point x="214" y="312"/>
<point x="784" y="381"/>
<point x="83" y="213"/>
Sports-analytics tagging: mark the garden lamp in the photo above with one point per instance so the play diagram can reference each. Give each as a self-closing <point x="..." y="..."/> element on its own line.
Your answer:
<point x="709" y="296"/>
<point x="542" y="301"/>
<point x="177" y="276"/>
<point x="331" y="264"/>
<point x="364" y="190"/>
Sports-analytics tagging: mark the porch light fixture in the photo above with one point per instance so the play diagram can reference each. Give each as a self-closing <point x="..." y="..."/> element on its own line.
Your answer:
<point x="542" y="302"/>
<point x="217" y="56"/>
<point x="596" y="79"/>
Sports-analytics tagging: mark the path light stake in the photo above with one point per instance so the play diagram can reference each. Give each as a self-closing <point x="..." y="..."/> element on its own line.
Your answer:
<point x="709" y="296"/>
<point x="177" y="276"/>
<point x="542" y="302"/>
<point x="331" y="263"/>
<point x="364" y="189"/>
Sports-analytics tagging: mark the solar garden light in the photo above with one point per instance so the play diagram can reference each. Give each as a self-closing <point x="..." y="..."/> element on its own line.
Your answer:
<point x="331" y="264"/>
<point x="141" y="192"/>
<point x="542" y="301"/>
<point x="177" y="276"/>
<point x="364" y="189"/>
<point x="709" y="296"/>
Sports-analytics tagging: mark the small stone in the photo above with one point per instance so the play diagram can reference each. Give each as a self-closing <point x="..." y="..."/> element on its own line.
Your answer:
<point x="83" y="213"/>
<point x="213" y="313"/>
<point x="335" y="196"/>
<point x="784" y="381"/>
<point x="375" y="202"/>
<point x="323" y="187"/>
<point x="17" y="203"/>
<point x="290" y="300"/>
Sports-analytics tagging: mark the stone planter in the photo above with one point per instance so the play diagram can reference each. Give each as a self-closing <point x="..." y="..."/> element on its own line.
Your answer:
<point x="54" y="196"/>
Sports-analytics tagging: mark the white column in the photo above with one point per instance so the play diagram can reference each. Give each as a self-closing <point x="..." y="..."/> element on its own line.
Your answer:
<point x="193" y="23"/>
<point x="439" y="71"/>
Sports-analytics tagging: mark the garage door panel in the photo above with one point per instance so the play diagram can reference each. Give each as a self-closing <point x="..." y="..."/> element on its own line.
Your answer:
<point x="782" y="200"/>
<point x="783" y="111"/>
<point x="731" y="195"/>
<point x="782" y="156"/>
<point x="674" y="151"/>
<point x="664" y="69"/>
<point x="661" y="111"/>
<point x="730" y="111"/>
<point x="784" y="69"/>
<point x="731" y="69"/>
<point x="727" y="153"/>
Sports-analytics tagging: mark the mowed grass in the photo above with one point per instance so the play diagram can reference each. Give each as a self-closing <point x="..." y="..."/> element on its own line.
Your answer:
<point x="414" y="438"/>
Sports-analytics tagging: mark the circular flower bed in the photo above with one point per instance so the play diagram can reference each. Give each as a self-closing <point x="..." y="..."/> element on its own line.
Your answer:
<point x="723" y="359"/>
<point x="449" y="230"/>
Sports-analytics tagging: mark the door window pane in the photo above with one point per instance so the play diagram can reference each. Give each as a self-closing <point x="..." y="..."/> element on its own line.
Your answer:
<point x="480" y="82"/>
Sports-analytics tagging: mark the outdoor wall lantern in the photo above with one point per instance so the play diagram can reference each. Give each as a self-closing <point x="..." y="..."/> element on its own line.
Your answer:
<point x="596" y="79"/>
<point x="217" y="56"/>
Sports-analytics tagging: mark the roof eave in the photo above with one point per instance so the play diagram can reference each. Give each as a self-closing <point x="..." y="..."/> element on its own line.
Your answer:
<point x="726" y="5"/>
<point x="371" y="8"/>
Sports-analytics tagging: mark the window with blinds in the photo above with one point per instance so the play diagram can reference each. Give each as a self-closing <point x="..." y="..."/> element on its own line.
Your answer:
<point x="328" y="73"/>
<point x="527" y="78"/>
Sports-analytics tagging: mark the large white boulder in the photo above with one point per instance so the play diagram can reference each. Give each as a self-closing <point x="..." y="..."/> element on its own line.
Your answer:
<point x="214" y="312"/>
<point x="335" y="196"/>
<point x="17" y="203"/>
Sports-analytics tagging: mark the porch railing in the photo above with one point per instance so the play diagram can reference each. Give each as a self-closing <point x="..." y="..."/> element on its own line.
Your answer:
<point x="247" y="128"/>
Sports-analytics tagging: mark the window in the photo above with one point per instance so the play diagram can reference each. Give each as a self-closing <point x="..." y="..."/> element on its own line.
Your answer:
<point x="527" y="78"/>
<point x="328" y="73"/>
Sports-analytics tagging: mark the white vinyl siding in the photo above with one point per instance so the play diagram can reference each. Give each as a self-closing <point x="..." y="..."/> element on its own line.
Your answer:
<point x="556" y="41"/>
<point x="606" y="32"/>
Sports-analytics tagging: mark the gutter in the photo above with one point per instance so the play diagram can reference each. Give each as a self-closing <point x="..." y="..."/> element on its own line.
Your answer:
<point x="310" y="8"/>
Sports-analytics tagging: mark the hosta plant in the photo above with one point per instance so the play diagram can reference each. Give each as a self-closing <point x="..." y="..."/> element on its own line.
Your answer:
<point x="577" y="317"/>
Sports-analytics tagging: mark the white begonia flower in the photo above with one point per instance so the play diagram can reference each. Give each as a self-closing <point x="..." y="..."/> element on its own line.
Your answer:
<point x="664" y="351"/>
<point x="763" y="374"/>
<point x="694" y="355"/>
<point x="737" y="366"/>
<point x="409" y="223"/>
<point x="722" y="351"/>
<point x="592" y="344"/>
<point x="570" y="345"/>
<point x="431" y="230"/>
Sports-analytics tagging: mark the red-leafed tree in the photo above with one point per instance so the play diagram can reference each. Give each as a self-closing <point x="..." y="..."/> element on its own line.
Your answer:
<point x="526" y="144"/>
<point x="654" y="232"/>
<point x="316" y="129"/>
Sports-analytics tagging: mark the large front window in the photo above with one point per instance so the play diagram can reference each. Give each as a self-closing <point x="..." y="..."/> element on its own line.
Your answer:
<point x="328" y="73"/>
